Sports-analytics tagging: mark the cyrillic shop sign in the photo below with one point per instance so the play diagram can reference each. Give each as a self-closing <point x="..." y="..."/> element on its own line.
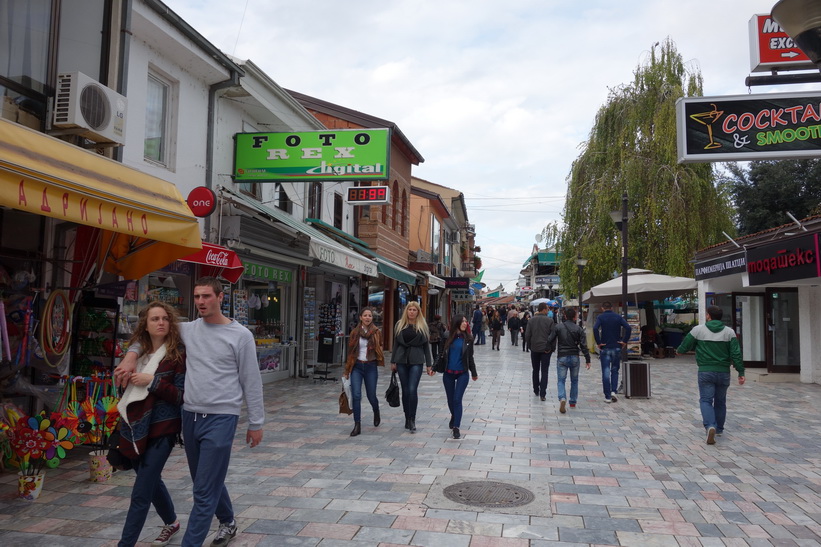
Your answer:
<point x="785" y="260"/>
<point x="347" y="154"/>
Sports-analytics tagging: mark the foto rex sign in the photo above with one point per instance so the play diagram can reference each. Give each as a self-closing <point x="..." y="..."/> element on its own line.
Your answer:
<point x="347" y="154"/>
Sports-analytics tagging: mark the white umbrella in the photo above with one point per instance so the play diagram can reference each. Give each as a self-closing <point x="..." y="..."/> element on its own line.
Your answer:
<point x="643" y="285"/>
<point x="538" y="301"/>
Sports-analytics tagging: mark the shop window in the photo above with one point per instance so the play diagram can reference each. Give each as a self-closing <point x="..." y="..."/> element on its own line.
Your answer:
<point x="376" y="300"/>
<point x="337" y="211"/>
<point x="157" y="141"/>
<point x="315" y="200"/>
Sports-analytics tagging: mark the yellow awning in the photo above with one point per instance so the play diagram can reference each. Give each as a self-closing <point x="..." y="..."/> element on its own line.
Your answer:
<point x="149" y="222"/>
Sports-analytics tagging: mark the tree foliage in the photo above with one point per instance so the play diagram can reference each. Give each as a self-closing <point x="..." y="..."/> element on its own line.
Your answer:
<point x="767" y="190"/>
<point x="676" y="209"/>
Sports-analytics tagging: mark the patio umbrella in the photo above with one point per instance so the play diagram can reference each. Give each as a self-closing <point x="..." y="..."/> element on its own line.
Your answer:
<point x="642" y="285"/>
<point x="538" y="301"/>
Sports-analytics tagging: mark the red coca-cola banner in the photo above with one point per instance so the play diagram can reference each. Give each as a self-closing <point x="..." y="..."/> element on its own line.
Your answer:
<point x="225" y="262"/>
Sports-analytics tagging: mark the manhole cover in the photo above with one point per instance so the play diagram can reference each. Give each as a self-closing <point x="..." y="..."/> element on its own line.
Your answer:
<point x="489" y="494"/>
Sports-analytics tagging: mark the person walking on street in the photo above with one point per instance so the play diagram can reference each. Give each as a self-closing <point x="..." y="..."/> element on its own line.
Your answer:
<point x="611" y="332"/>
<point x="437" y="332"/>
<point x="222" y="370"/>
<point x="457" y="361"/>
<point x="523" y="327"/>
<point x="536" y="337"/>
<point x="150" y="410"/>
<point x="495" y="331"/>
<point x="477" y="324"/>
<point x="513" y="325"/>
<point x="411" y="350"/>
<point x="485" y="329"/>
<point x="716" y="348"/>
<point x="364" y="356"/>
<point x="571" y="340"/>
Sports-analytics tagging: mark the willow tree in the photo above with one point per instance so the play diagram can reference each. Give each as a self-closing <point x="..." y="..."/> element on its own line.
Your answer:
<point x="676" y="209"/>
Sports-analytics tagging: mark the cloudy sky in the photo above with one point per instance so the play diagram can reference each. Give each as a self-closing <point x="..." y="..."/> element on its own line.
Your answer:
<point x="496" y="96"/>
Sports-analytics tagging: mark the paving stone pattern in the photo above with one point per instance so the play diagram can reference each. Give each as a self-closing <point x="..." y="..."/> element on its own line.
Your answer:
<point x="637" y="472"/>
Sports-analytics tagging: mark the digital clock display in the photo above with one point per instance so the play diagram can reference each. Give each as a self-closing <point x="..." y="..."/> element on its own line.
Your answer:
<point x="369" y="194"/>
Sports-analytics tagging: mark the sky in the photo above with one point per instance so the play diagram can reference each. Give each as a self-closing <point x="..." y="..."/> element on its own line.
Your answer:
<point x="496" y="96"/>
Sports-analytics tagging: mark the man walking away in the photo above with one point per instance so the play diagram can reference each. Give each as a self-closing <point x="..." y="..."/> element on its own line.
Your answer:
<point x="612" y="332"/>
<point x="716" y="349"/>
<point x="536" y="337"/>
<point x="513" y="324"/>
<point x="571" y="340"/>
<point x="477" y="324"/>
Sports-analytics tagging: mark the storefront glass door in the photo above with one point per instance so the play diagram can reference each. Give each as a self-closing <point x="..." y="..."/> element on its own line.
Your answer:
<point x="749" y="328"/>
<point x="783" y="347"/>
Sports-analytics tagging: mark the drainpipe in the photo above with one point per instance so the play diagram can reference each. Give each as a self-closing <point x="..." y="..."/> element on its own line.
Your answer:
<point x="233" y="81"/>
<point x="122" y="61"/>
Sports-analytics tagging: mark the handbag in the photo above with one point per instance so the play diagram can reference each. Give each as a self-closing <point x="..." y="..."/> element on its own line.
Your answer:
<point x="392" y="393"/>
<point x="439" y="364"/>
<point x="344" y="407"/>
<point x="115" y="457"/>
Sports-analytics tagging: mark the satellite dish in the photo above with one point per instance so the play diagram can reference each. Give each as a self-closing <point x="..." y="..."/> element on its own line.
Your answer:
<point x="539" y="237"/>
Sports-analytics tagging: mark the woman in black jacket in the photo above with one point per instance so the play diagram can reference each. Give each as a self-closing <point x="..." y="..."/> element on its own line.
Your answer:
<point x="523" y="327"/>
<point x="455" y="362"/>
<point x="496" y="327"/>
<point x="411" y="350"/>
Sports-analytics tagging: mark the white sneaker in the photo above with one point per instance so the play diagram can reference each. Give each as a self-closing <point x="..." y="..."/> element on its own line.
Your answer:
<point x="613" y="397"/>
<point x="608" y="401"/>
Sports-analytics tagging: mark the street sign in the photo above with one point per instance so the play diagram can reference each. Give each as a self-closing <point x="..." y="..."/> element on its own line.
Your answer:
<point x="772" y="49"/>
<point x="749" y="127"/>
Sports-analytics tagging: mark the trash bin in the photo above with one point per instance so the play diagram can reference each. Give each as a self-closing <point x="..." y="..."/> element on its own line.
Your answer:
<point x="637" y="380"/>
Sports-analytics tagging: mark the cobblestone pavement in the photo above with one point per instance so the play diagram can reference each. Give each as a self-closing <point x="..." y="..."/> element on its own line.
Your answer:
<point x="637" y="472"/>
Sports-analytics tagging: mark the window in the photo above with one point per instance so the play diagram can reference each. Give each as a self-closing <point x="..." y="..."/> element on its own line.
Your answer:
<point x="337" y="211"/>
<point x="434" y="239"/>
<point x="404" y="215"/>
<point x="284" y="203"/>
<point x="158" y="94"/>
<point x="24" y="57"/>
<point x="395" y="205"/>
<point x="315" y="200"/>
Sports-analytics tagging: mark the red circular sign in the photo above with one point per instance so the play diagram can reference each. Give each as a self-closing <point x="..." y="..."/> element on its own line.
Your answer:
<point x="202" y="201"/>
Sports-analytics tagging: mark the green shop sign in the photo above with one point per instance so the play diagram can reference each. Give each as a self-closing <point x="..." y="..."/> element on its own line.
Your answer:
<point x="266" y="273"/>
<point x="348" y="154"/>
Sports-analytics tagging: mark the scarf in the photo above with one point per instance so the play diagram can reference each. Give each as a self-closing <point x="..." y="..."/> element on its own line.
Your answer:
<point x="134" y="393"/>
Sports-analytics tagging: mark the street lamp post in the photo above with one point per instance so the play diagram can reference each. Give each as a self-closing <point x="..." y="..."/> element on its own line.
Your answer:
<point x="581" y="263"/>
<point x="621" y="218"/>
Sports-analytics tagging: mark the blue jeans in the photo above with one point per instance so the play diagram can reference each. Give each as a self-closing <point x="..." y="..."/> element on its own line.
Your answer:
<point x="409" y="376"/>
<point x="455" y="386"/>
<point x="563" y="365"/>
<point x="208" y="439"/>
<point x="610" y="363"/>
<point x="482" y="336"/>
<point x="477" y="333"/>
<point x="540" y="362"/>
<point x="712" y="392"/>
<point x="149" y="488"/>
<point x="367" y="372"/>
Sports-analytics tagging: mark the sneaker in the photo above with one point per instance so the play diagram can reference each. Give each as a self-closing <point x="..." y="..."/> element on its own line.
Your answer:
<point x="572" y="405"/>
<point x="562" y="406"/>
<point x="608" y="400"/>
<point x="613" y="397"/>
<point x="165" y="535"/>
<point x="711" y="435"/>
<point x="456" y="434"/>
<point x="720" y="433"/>
<point x="226" y="533"/>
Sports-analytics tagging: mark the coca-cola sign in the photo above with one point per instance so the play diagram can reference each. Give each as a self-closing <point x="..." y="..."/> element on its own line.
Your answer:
<point x="216" y="258"/>
<point x="202" y="201"/>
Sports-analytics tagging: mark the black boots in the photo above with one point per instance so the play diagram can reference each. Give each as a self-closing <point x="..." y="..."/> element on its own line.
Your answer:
<point x="412" y="424"/>
<point x="450" y="424"/>
<point x="376" y="418"/>
<point x="407" y="422"/>
<point x="357" y="429"/>
<point x="456" y="433"/>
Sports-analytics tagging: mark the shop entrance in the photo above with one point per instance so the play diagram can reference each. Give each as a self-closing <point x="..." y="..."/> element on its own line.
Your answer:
<point x="783" y="343"/>
<point x="748" y="323"/>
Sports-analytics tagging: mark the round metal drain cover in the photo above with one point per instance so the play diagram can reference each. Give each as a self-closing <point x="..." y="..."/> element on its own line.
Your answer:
<point x="489" y="494"/>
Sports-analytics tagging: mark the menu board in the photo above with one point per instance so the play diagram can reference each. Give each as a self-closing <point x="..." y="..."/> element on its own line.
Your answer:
<point x="634" y="344"/>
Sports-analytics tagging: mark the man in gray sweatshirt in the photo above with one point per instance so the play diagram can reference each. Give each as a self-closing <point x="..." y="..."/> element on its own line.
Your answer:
<point x="221" y="370"/>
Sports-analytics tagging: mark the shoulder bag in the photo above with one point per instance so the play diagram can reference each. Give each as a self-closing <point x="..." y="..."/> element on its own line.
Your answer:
<point x="392" y="393"/>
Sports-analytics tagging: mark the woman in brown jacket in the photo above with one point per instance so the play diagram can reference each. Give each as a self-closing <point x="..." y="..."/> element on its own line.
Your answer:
<point x="364" y="355"/>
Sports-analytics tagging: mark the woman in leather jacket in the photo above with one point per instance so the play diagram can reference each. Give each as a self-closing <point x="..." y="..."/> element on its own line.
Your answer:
<point x="411" y="350"/>
<point x="364" y="355"/>
<point x="455" y="361"/>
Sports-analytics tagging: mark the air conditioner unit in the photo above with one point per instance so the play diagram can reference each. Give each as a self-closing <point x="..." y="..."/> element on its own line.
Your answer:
<point x="82" y="102"/>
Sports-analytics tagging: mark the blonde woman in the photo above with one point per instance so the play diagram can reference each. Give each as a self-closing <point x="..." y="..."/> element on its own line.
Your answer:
<point x="364" y="355"/>
<point x="411" y="350"/>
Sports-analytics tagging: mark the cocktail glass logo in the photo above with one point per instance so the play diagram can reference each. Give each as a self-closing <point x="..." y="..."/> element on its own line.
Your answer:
<point x="708" y="119"/>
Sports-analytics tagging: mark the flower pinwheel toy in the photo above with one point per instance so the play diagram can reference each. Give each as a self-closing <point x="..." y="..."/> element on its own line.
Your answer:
<point x="39" y="441"/>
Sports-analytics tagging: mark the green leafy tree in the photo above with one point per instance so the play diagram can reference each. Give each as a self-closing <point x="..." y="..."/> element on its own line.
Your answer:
<point x="767" y="190"/>
<point x="676" y="208"/>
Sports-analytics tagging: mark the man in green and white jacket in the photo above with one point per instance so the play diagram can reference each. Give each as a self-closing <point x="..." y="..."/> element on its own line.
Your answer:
<point x="716" y="349"/>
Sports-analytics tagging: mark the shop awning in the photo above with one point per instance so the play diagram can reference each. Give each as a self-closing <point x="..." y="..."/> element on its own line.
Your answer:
<point x="321" y="246"/>
<point x="220" y="261"/>
<point x="145" y="221"/>
<point x="434" y="281"/>
<point x="386" y="267"/>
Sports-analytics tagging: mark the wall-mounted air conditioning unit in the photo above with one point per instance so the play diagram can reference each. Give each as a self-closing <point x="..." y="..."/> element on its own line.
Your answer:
<point x="84" y="103"/>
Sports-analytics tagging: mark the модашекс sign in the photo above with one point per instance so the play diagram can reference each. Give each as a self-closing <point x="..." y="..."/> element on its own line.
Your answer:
<point x="345" y="154"/>
<point x="749" y="127"/>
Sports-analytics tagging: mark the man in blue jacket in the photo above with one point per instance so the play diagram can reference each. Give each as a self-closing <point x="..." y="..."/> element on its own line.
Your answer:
<point x="611" y="332"/>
